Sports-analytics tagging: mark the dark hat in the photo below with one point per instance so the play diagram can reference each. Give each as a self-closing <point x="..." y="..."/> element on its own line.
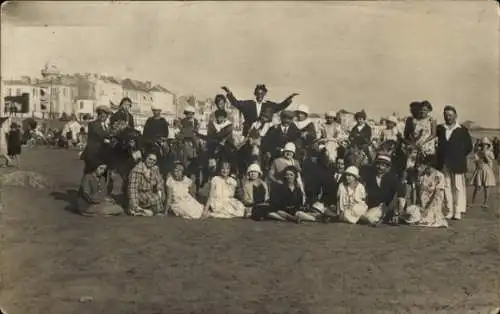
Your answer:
<point x="219" y="97"/>
<point x="287" y="114"/>
<point x="360" y="114"/>
<point x="261" y="87"/>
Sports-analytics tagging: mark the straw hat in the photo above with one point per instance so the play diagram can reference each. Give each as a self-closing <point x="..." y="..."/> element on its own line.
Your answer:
<point x="289" y="147"/>
<point x="302" y="108"/>
<point x="155" y="107"/>
<point x="331" y="114"/>
<point x="254" y="168"/>
<point x="392" y="119"/>
<point x="353" y="171"/>
<point x="485" y="141"/>
<point x="190" y="109"/>
<point x="103" y="108"/>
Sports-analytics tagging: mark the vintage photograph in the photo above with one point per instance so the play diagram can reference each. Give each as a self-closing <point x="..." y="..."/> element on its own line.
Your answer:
<point x="312" y="157"/>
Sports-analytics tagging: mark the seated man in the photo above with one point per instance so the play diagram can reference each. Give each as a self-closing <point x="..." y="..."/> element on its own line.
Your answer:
<point x="382" y="187"/>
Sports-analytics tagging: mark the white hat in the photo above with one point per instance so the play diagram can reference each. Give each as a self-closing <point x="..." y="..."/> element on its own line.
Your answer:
<point x="254" y="168"/>
<point x="319" y="207"/>
<point x="289" y="147"/>
<point x="155" y="107"/>
<point x="189" y="109"/>
<point x="352" y="170"/>
<point x="331" y="113"/>
<point x="413" y="214"/>
<point x="485" y="140"/>
<point x="383" y="158"/>
<point x="393" y="119"/>
<point x="303" y="108"/>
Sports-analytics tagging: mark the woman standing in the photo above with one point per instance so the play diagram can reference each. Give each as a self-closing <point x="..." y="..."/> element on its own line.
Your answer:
<point x="351" y="197"/>
<point x="307" y="132"/>
<point x="4" y="153"/>
<point x="180" y="191"/>
<point x="146" y="188"/>
<point x="222" y="202"/>
<point x="483" y="177"/>
<point x="14" y="143"/>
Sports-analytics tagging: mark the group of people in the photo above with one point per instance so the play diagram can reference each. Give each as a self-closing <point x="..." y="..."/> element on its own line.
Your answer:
<point x="282" y="171"/>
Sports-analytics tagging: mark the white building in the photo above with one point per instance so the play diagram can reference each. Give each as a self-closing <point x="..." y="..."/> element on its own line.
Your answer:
<point x="108" y="90"/>
<point x="19" y="87"/>
<point x="164" y="99"/>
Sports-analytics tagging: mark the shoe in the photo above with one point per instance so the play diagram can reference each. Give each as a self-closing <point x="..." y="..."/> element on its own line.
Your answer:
<point x="449" y="215"/>
<point x="457" y="216"/>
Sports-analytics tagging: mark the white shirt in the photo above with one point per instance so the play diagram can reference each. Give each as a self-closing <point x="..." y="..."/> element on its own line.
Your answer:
<point x="449" y="130"/>
<point x="360" y="127"/>
<point x="284" y="128"/>
<point x="379" y="180"/>
<point x="258" y="106"/>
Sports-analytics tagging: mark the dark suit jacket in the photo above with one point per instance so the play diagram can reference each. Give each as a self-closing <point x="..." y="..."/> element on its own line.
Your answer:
<point x="275" y="139"/>
<point x="453" y="153"/>
<point x="383" y="193"/>
<point x="122" y="115"/>
<point x="95" y="141"/>
<point x="361" y="138"/>
<point x="248" y="109"/>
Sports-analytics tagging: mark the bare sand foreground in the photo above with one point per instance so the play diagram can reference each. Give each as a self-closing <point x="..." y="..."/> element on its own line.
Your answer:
<point x="54" y="261"/>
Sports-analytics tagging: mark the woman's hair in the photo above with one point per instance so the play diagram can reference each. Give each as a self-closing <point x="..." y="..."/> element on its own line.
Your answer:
<point x="292" y="169"/>
<point x="219" y="97"/>
<point x="360" y="114"/>
<point x="221" y="165"/>
<point x="261" y="87"/>
<point x="427" y="104"/>
<point x="124" y="99"/>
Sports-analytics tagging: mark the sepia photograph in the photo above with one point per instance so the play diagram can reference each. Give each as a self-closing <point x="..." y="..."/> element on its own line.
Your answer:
<point x="250" y="157"/>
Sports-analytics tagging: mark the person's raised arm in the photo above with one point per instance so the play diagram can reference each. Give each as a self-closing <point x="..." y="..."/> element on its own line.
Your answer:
<point x="285" y="103"/>
<point x="232" y="100"/>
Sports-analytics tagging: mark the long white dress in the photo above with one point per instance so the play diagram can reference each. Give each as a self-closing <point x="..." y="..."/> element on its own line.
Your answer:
<point x="183" y="203"/>
<point x="351" y="202"/>
<point x="222" y="200"/>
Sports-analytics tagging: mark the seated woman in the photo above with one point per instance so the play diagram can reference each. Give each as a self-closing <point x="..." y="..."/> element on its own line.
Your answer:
<point x="94" y="199"/>
<point x="180" y="191"/>
<point x="277" y="169"/>
<point x="255" y="193"/>
<point x="429" y="210"/>
<point x="222" y="202"/>
<point x="146" y="188"/>
<point x="288" y="198"/>
<point x="351" y="197"/>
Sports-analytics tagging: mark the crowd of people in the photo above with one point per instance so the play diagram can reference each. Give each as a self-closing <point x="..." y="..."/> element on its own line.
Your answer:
<point x="288" y="171"/>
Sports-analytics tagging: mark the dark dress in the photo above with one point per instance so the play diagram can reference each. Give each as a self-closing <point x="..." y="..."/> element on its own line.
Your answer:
<point x="286" y="199"/>
<point x="14" y="142"/>
<point x="259" y="209"/>
<point x="154" y="129"/>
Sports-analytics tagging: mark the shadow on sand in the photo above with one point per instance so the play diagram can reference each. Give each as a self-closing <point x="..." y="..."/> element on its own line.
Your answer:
<point x="70" y="196"/>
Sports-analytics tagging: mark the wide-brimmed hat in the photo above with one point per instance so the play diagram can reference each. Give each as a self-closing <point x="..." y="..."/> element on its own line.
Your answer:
<point x="189" y="109"/>
<point x="103" y="108"/>
<point x="360" y="114"/>
<point x="485" y="141"/>
<point x="353" y="171"/>
<point x="254" y="168"/>
<point x="303" y="109"/>
<point x="331" y="114"/>
<point x="392" y="119"/>
<point x="155" y="107"/>
<point x="289" y="147"/>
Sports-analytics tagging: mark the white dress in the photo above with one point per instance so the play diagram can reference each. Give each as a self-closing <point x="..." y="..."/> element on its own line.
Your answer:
<point x="222" y="200"/>
<point x="183" y="203"/>
<point x="351" y="202"/>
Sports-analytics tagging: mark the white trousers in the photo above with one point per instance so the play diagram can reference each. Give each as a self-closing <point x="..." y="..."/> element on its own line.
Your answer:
<point x="455" y="192"/>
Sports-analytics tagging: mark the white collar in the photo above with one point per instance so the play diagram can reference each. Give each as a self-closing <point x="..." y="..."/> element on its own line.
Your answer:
<point x="453" y="126"/>
<point x="220" y="126"/>
<point x="302" y="124"/>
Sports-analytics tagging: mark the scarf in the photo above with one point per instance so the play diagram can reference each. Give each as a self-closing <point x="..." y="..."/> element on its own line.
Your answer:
<point x="302" y="124"/>
<point x="219" y="126"/>
<point x="262" y="128"/>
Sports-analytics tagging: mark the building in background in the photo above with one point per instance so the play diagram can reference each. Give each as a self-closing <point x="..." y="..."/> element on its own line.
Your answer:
<point x="164" y="99"/>
<point x="25" y="85"/>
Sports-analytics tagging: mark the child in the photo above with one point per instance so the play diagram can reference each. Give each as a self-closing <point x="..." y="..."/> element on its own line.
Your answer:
<point x="94" y="199"/>
<point x="483" y="176"/>
<point x="351" y="197"/>
<point x="180" y="199"/>
<point x="14" y="143"/>
<point x="255" y="193"/>
<point x="331" y="135"/>
<point x="222" y="202"/>
<point x="391" y="131"/>
<point x="288" y="198"/>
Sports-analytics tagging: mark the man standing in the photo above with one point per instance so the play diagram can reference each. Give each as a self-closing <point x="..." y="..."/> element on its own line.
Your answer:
<point x="250" y="109"/>
<point x="454" y="144"/>
<point x="97" y="138"/>
<point x="156" y="127"/>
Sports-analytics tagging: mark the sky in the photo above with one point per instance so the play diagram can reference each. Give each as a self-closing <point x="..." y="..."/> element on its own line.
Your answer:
<point x="378" y="55"/>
